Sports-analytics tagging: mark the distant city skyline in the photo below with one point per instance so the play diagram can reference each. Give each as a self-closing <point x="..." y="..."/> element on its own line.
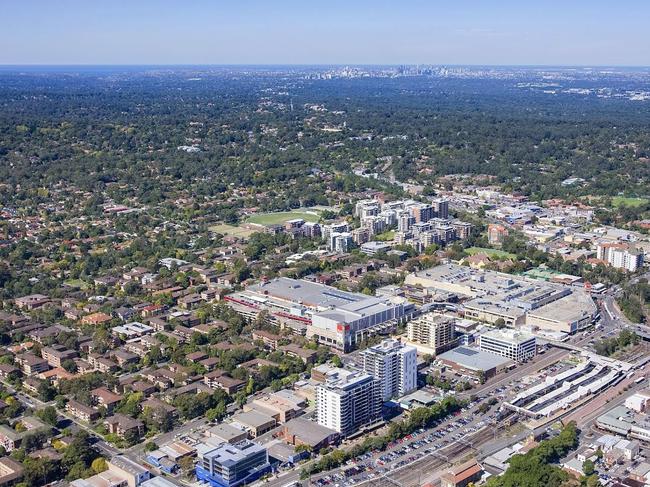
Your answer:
<point x="289" y="32"/>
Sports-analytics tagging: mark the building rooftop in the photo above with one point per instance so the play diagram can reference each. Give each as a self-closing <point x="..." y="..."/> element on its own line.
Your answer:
<point x="158" y="482"/>
<point x="228" y="455"/>
<point x="508" y="335"/>
<point x="225" y="432"/>
<point x="252" y="418"/>
<point x="387" y="346"/>
<point x="342" y="383"/>
<point x="473" y="359"/>
<point x="128" y="465"/>
<point x="308" y="293"/>
<point x="308" y="432"/>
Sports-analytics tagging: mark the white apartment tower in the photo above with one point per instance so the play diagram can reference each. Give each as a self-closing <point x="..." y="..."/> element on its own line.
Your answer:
<point x="348" y="401"/>
<point x="394" y="365"/>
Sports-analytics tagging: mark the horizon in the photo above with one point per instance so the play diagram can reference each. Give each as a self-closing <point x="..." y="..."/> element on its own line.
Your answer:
<point x="328" y="65"/>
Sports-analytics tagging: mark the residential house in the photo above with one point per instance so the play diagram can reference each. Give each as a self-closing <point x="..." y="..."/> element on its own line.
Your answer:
<point x="95" y="319"/>
<point x="31" y="302"/>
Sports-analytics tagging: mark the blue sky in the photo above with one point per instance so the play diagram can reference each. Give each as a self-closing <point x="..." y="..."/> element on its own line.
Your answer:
<point x="569" y="32"/>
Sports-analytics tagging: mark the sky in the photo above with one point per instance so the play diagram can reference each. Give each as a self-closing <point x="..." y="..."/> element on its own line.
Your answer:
<point x="478" y="32"/>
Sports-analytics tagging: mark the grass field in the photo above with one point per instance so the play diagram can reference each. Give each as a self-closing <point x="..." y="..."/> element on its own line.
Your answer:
<point x="490" y="252"/>
<point x="282" y="216"/>
<point x="385" y="237"/>
<point x="78" y="283"/>
<point x="623" y="201"/>
<point x="232" y="230"/>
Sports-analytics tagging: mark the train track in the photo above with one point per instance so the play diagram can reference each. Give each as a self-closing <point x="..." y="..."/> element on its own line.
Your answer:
<point x="413" y="474"/>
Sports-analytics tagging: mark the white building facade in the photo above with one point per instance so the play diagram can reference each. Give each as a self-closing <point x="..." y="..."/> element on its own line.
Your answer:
<point x="348" y="401"/>
<point x="394" y="365"/>
<point x="511" y="344"/>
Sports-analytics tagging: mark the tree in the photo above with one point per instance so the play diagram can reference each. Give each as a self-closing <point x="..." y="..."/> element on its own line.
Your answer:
<point x="186" y="464"/>
<point x="588" y="468"/>
<point x="49" y="415"/>
<point x="99" y="465"/>
<point x="69" y="365"/>
<point x="46" y="392"/>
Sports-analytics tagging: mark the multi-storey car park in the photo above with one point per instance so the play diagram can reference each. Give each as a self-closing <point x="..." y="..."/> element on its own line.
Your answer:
<point x="512" y="300"/>
<point x="336" y="318"/>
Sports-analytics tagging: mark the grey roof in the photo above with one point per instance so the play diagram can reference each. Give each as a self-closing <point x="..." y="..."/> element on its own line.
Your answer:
<point x="225" y="432"/>
<point x="158" y="482"/>
<point x="309" y="432"/>
<point x="473" y="359"/>
<point x="253" y="419"/>
<point x="127" y="465"/>
<point x="227" y="454"/>
<point x="310" y="293"/>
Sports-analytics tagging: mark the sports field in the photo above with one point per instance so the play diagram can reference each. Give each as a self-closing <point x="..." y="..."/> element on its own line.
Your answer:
<point x="623" y="201"/>
<point x="490" y="252"/>
<point x="232" y="230"/>
<point x="277" y="218"/>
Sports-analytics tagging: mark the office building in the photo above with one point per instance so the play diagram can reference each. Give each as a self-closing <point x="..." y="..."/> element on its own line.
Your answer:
<point x="394" y="365"/>
<point x="348" y="402"/>
<point x="230" y="465"/>
<point x="374" y="247"/>
<point x="474" y="363"/>
<point x="434" y="331"/>
<point x="511" y="344"/>
<point x="134" y="473"/>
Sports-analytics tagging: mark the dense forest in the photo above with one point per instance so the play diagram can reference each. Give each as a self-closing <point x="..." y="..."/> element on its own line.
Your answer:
<point x="120" y="130"/>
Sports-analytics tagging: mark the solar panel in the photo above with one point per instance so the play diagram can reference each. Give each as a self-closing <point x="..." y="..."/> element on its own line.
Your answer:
<point x="466" y="351"/>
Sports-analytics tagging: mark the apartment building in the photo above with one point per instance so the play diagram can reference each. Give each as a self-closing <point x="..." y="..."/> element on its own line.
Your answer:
<point x="394" y="365"/>
<point x="57" y="354"/>
<point x="496" y="234"/>
<point x="348" y="401"/>
<point x="31" y="364"/>
<point x="435" y="331"/>
<point x="620" y="256"/>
